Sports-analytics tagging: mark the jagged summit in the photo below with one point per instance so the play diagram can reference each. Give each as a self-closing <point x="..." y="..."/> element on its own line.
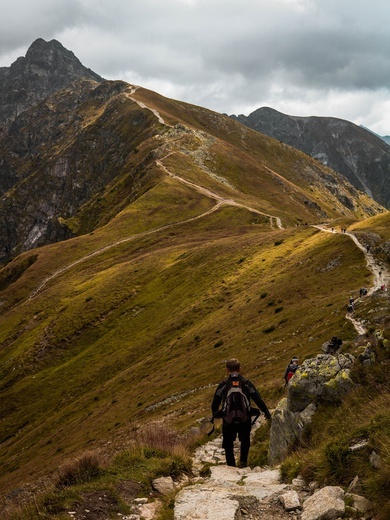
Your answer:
<point x="46" y="68"/>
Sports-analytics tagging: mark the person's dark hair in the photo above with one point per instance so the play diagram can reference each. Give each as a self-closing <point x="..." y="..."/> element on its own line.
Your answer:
<point x="233" y="365"/>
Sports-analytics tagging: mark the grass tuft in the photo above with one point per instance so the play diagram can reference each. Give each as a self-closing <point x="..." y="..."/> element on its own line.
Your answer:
<point x="80" y="470"/>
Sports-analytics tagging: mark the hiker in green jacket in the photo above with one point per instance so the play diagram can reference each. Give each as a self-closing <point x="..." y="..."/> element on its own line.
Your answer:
<point x="235" y="393"/>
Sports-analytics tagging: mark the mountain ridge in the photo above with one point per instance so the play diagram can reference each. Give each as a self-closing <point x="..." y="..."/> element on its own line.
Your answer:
<point x="358" y="154"/>
<point x="78" y="165"/>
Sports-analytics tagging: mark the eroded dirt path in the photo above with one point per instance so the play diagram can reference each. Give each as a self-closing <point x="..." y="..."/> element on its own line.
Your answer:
<point x="215" y="196"/>
<point x="119" y="242"/>
<point x="220" y="201"/>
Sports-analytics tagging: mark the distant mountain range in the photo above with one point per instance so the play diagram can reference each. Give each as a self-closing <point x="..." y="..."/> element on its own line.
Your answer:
<point x="355" y="152"/>
<point x="386" y="138"/>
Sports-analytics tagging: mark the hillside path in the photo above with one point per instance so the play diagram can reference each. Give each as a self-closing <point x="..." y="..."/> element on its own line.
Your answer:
<point x="215" y="196"/>
<point x="220" y="201"/>
<point x="380" y="272"/>
<point x="117" y="243"/>
<point x="132" y="90"/>
<point x="201" y="189"/>
<point x="208" y="193"/>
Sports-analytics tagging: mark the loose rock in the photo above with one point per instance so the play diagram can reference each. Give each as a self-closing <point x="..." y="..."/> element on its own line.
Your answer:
<point x="290" y="500"/>
<point x="326" y="504"/>
<point x="164" y="485"/>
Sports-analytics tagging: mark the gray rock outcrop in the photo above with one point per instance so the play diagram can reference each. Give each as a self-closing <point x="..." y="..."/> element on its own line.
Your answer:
<point x="325" y="378"/>
<point x="286" y="430"/>
<point x="46" y="68"/>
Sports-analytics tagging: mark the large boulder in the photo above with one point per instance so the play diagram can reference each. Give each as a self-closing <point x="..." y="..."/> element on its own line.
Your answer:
<point x="287" y="429"/>
<point x="324" y="378"/>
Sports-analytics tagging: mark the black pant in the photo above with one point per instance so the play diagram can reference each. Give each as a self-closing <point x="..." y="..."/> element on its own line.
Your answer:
<point x="229" y="435"/>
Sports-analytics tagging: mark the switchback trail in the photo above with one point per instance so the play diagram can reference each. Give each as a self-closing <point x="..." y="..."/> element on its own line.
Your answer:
<point x="380" y="273"/>
<point x="220" y="201"/>
<point x="215" y="196"/>
<point x="201" y="189"/>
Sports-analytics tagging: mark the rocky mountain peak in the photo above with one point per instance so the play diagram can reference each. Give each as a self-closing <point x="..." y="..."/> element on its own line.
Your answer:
<point x="358" y="154"/>
<point x="46" y="68"/>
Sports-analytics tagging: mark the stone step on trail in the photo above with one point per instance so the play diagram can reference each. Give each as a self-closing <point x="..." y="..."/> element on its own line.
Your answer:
<point x="221" y="496"/>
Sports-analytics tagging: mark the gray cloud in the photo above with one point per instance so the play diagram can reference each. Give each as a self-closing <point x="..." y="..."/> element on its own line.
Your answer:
<point x="308" y="56"/>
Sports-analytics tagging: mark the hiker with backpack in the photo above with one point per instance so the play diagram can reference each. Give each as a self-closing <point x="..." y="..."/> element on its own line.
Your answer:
<point x="291" y="369"/>
<point x="235" y="394"/>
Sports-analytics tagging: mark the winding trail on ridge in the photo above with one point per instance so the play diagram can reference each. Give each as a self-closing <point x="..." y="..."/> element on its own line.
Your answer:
<point x="225" y="494"/>
<point x="380" y="273"/>
<point x="215" y="196"/>
<point x="220" y="201"/>
<point x="117" y="243"/>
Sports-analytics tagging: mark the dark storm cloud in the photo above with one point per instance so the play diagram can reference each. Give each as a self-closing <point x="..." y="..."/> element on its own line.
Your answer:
<point x="224" y="54"/>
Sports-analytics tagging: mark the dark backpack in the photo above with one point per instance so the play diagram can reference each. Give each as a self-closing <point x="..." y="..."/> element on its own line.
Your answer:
<point x="236" y="407"/>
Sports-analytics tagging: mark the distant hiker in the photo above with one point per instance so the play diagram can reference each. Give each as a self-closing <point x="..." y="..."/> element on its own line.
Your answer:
<point x="368" y="248"/>
<point x="333" y="345"/>
<point x="291" y="369"/>
<point x="351" y="300"/>
<point x="350" y="308"/>
<point x="235" y="393"/>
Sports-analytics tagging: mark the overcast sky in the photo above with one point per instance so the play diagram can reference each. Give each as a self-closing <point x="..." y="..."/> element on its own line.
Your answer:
<point x="301" y="57"/>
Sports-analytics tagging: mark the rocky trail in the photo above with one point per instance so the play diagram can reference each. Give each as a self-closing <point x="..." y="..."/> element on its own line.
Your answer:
<point x="232" y="493"/>
<point x="258" y="493"/>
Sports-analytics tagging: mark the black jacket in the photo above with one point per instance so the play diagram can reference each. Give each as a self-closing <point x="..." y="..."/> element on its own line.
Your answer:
<point x="250" y="391"/>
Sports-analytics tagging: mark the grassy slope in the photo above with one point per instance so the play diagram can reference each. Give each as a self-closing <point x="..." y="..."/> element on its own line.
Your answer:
<point x="157" y="315"/>
<point x="143" y="319"/>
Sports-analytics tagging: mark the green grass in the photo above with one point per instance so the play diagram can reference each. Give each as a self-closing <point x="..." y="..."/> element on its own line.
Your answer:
<point x="125" y="321"/>
<point x="154" y="451"/>
<point x="363" y="416"/>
